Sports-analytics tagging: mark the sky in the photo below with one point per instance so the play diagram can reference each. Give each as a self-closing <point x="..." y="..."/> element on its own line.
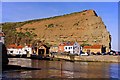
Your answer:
<point x="22" y="11"/>
<point x="60" y="0"/>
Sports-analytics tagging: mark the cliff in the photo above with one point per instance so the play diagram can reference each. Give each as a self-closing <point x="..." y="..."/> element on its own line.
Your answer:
<point x="85" y="27"/>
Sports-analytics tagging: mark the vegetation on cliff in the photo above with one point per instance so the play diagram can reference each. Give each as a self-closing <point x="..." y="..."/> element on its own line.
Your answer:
<point x="12" y="36"/>
<point x="85" y="27"/>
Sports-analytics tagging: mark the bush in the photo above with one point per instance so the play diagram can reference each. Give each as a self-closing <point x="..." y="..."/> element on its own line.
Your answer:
<point x="85" y="45"/>
<point x="50" y="25"/>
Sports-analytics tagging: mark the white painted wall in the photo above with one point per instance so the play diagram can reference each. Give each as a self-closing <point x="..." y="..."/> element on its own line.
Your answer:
<point x="76" y="48"/>
<point x="19" y="51"/>
<point x="68" y="49"/>
<point x="26" y="48"/>
<point x="14" y="51"/>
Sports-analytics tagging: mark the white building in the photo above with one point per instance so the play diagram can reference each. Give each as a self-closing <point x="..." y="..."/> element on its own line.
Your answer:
<point x="27" y="50"/>
<point x="18" y="50"/>
<point x="14" y="50"/>
<point x="76" y="48"/>
<point x="54" y="49"/>
<point x="73" y="48"/>
<point x="68" y="48"/>
<point x="2" y="37"/>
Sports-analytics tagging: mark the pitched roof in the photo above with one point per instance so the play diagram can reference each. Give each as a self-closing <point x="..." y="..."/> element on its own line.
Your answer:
<point x="11" y="46"/>
<point x="88" y="47"/>
<point x="93" y="47"/>
<point x="15" y="46"/>
<point x="19" y="47"/>
<point x="66" y="44"/>
<point x="96" y="46"/>
<point x="2" y="34"/>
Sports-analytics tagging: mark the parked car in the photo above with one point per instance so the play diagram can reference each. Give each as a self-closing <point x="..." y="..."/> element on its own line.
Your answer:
<point x="93" y="53"/>
<point x="112" y="52"/>
<point x="84" y="54"/>
<point x="117" y="53"/>
<point x="104" y="53"/>
<point x="98" y="53"/>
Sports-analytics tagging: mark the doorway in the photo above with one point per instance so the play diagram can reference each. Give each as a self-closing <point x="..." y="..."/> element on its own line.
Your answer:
<point x="41" y="52"/>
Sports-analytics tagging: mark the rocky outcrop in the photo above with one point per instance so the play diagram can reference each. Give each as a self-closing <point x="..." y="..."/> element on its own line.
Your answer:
<point x="85" y="27"/>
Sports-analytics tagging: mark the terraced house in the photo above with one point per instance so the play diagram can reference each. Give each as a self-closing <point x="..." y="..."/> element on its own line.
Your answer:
<point x="70" y="47"/>
<point x="94" y="49"/>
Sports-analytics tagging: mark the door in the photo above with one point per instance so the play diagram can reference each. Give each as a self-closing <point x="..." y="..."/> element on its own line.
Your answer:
<point x="41" y="52"/>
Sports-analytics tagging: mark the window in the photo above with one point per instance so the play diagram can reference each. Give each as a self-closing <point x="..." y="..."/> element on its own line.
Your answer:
<point x="69" y="47"/>
<point x="65" y="47"/>
<point x="11" y="51"/>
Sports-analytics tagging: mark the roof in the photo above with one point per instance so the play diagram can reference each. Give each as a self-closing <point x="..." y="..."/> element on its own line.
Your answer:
<point x="11" y="46"/>
<point x="45" y="46"/>
<point x="96" y="46"/>
<point x="19" y="47"/>
<point x="87" y="47"/>
<point x="29" y="45"/>
<point x="93" y="47"/>
<point x="15" y="46"/>
<point x="2" y="34"/>
<point x="66" y="44"/>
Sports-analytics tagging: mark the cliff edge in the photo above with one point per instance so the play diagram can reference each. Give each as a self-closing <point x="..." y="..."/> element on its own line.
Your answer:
<point x="85" y="27"/>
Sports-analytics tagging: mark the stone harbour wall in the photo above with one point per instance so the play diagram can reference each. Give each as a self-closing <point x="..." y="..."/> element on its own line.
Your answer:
<point x="93" y="58"/>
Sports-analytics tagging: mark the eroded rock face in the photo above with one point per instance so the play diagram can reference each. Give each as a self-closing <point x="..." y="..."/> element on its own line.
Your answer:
<point x="85" y="27"/>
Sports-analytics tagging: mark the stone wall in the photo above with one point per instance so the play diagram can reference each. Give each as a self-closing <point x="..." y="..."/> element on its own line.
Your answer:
<point x="94" y="58"/>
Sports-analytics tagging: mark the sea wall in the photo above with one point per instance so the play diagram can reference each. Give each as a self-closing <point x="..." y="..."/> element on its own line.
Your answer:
<point x="93" y="58"/>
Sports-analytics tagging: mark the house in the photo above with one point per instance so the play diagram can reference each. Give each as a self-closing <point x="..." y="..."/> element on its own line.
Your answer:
<point x="94" y="48"/>
<point x="70" y="47"/>
<point x="61" y="47"/>
<point x="73" y="48"/>
<point x="54" y="49"/>
<point x="18" y="50"/>
<point x="27" y="50"/>
<point x="42" y="50"/>
<point x="76" y="48"/>
<point x="14" y="50"/>
<point x="2" y="36"/>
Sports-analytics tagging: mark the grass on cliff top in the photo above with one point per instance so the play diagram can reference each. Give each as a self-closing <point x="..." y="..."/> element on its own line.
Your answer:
<point x="18" y="24"/>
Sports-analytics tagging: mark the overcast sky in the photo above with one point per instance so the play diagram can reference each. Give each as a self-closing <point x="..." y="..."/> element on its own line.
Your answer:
<point x="22" y="11"/>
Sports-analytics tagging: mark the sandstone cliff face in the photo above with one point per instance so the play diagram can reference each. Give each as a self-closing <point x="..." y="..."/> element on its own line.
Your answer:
<point x="84" y="27"/>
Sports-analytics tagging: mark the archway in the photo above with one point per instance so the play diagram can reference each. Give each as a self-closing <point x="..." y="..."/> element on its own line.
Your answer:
<point x="41" y="51"/>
